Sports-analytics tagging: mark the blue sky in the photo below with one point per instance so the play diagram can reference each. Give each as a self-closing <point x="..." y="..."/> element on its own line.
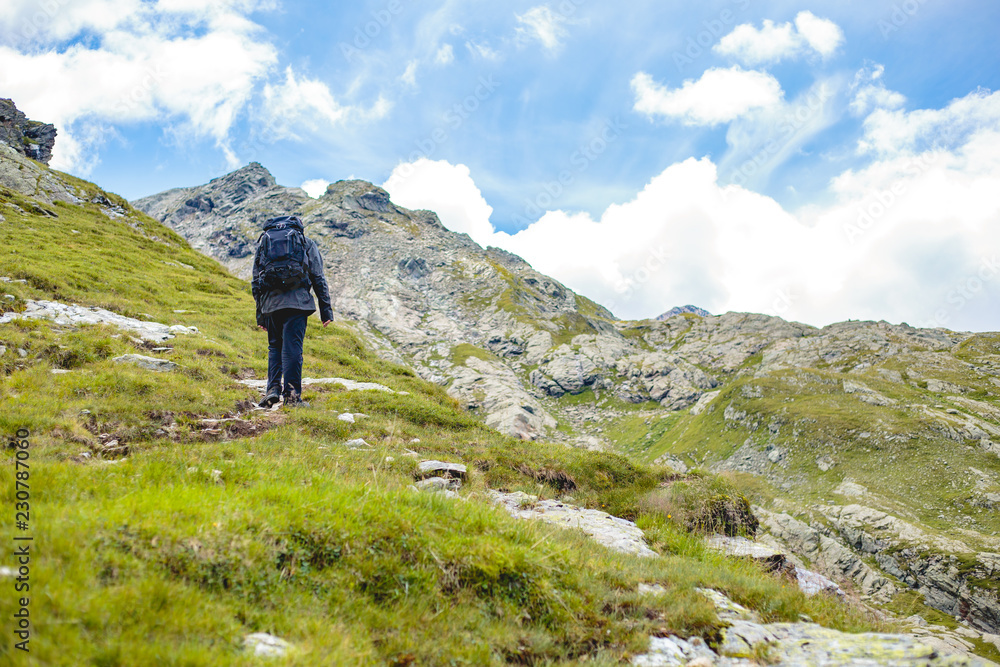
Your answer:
<point x="818" y="161"/>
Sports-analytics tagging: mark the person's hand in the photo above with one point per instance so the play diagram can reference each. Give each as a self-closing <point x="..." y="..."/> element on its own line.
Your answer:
<point x="261" y="328"/>
<point x="327" y="322"/>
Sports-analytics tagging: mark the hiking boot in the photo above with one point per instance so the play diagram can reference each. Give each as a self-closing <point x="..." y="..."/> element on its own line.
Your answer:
<point x="294" y="401"/>
<point x="269" y="401"/>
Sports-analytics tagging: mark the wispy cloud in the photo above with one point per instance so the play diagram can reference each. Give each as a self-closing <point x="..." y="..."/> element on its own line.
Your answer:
<point x="543" y="25"/>
<point x="445" y="55"/>
<point x="870" y="92"/>
<point x="483" y="50"/>
<point x="409" y="76"/>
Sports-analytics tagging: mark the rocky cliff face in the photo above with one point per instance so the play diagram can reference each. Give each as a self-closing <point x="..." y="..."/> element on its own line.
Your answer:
<point x="855" y="425"/>
<point x="30" y="138"/>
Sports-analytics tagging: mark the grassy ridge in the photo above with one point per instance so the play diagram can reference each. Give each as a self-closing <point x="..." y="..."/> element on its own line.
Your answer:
<point x="173" y="553"/>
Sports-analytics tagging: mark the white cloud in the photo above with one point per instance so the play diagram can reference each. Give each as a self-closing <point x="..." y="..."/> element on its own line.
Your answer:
<point x="295" y="101"/>
<point x="822" y="35"/>
<point x="752" y="46"/>
<point x="891" y="132"/>
<point x="148" y="63"/>
<point x="775" y="42"/>
<point x="315" y="187"/>
<point x="544" y="25"/>
<point x="911" y="237"/>
<point x="190" y="65"/>
<point x="446" y="189"/>
<point x="763" y="139"/>
<point x="410" y="75"/>
<point x="445" y="55"/>
<point x="870" y="92"/>
<point x="483" y="50"/>
<point x="719" y="96"/>
<point x="299" y="105"/>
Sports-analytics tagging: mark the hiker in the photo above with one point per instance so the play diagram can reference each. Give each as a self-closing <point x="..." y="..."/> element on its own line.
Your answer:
<point x="285" y="267"/>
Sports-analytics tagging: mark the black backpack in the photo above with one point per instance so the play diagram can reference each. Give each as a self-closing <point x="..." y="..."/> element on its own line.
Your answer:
<point x="281" y="253"/>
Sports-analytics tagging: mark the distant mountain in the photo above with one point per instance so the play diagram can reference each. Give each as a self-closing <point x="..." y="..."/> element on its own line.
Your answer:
<point x="680" y="310"/>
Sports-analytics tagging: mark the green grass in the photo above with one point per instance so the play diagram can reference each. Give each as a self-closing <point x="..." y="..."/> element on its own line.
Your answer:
<point x="461" y="352"/>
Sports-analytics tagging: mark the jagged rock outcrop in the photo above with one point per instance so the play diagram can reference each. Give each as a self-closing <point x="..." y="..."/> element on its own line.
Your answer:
<point x="826" y="554"/>
<point x="941" y="569"/>
<point x="30" y="138"/>
<point x="747" y="639"/>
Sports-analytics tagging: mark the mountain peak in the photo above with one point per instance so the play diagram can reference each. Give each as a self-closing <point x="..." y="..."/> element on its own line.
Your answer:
<point x="680" y="310"/>
<point x="254" y="174"/>
<point x="358" y="195"/>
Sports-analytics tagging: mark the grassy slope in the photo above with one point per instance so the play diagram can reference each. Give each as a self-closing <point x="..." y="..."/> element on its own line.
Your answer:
<point x="877" y="447"/>
<point x="158" y="559"/>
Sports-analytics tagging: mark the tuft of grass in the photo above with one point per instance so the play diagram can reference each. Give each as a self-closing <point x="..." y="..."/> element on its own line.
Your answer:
<point x="460" y="353"/>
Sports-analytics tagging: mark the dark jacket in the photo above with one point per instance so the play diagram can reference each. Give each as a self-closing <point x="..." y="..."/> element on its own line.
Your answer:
<point x="300" y="298"/>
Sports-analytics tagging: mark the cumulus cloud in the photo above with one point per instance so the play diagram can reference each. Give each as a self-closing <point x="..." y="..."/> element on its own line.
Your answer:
<point x="543" y="25"/>
<point x="774" y="42"/>
<point x="907" y="238"/>
<point x="315" y="187"/>
<point x="822" y="35"/>
<point x="719" y="96"/>
<point x="446" y="189"/>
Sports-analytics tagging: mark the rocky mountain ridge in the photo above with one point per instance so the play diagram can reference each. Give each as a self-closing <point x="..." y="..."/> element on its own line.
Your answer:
<point x="855" y="425"/>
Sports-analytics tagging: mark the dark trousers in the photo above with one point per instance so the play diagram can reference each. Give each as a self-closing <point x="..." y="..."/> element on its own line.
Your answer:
<point x="285" y="331"/>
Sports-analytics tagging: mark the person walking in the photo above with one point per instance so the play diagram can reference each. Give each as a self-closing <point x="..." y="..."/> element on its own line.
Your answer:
<point x="285" y="267"/>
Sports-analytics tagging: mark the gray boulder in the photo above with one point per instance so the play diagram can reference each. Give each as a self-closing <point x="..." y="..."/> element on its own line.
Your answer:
<point x="148" y="363"/>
